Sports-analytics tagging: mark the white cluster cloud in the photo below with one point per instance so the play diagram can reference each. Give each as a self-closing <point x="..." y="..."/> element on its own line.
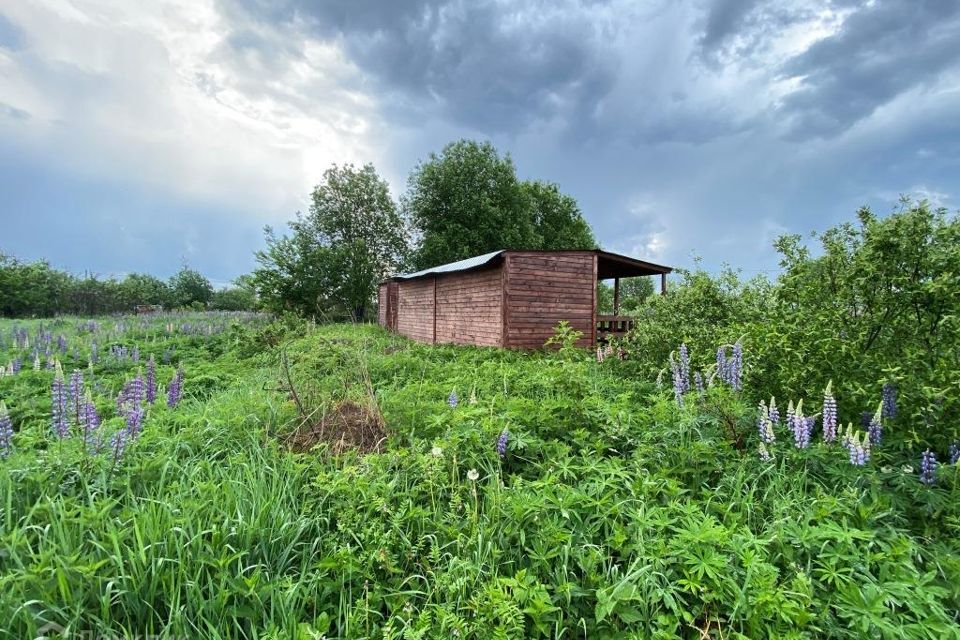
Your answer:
<point x="158" y="93"/>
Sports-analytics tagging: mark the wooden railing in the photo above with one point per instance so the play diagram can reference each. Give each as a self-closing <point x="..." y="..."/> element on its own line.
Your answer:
<point x="612" y="327"/>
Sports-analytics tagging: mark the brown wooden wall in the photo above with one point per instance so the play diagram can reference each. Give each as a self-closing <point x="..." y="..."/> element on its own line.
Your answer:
<point x="469" y="307"/>
<point x="543" y="289"/>
<point x="415" y="309"/>
<point x="382" y="304"/>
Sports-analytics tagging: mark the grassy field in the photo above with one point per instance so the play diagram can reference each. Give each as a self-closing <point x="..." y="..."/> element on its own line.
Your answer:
<point x="339" y="481"/>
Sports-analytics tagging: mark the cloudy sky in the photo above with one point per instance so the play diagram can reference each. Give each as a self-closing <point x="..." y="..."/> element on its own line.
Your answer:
<point x="138" y="135"/>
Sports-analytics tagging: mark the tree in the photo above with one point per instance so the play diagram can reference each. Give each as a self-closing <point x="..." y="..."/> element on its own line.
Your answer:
<point x="557" y="220"/>
<point x="141" y="288"/>
<point x="465" y="202"/>
<point x="190" y="287"/>
<point x="242" y="296"/>
<point x="352" y="238"/>
<point x="468" y="201"/>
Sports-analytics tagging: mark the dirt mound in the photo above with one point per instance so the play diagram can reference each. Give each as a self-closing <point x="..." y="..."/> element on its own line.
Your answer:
<point x="349" y="425"/>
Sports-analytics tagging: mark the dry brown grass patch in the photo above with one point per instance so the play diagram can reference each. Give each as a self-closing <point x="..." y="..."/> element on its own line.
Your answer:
<point x="348" y="426"/>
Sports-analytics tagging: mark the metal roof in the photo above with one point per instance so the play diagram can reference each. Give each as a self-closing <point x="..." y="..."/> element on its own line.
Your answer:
<point x="610" y="265"/>
<point x="459" y="265"/>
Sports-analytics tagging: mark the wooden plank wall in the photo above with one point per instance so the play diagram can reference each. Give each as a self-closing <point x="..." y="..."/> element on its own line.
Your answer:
<point x="469" y="307"/>
<point x="382" y="302"/>
<point x="415" y="309"/>
<point x="543" y="289"/>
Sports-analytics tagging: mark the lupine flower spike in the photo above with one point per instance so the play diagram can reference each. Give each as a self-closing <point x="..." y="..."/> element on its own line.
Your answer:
<point x="453" y="400"/>
<point x="502" y="442"/>
<point x="876" y="426"/>
<point x="151" y="380"/>
<point x="773" y="411"/>
<point x="928" y="468"/>
<point x="60" y="405"/>
<point x="829" y="414"/>
<point x="764" y="453"/>
<point x="955" y="453"/>
<point x="175" y="390"/>
<point x="859" y="448"/>
<point x="801" y="426"/>
<point x="6" y="432"/>
<point x="889" y="400"/>
<point x="90" y="422"/>
<point x="764" y="425"/>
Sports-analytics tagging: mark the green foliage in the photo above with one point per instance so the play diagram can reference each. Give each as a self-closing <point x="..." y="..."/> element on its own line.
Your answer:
<point x="880" y="304"/>
<point x="189" y="287"/>
<point x="352" y="238"/>
<point x="467" y="201"/>
<point x="35" y="289"/>
<point x="613" y="514"/>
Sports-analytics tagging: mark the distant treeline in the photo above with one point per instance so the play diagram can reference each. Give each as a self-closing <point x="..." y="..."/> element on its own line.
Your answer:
<point x="37" y="289"/>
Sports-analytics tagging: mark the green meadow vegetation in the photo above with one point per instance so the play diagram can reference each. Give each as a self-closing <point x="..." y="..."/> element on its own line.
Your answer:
<point x="340" y="481"/>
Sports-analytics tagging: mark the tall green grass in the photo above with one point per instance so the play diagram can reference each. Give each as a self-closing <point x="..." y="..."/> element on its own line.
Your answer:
<point x="614" y="514"/>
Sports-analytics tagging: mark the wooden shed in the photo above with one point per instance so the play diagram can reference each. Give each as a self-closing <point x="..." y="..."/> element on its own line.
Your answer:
<point x="510" y="298"/>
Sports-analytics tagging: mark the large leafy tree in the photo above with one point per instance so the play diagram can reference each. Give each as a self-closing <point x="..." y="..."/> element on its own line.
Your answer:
<point x="190" y="288"/>
<point x="467" y="201"/>
<point x="557" y="220"/>
<point x="352" y="237"/>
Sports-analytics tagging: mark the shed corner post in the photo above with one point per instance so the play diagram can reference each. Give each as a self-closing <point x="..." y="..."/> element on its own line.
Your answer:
<point x="593" y="290"/>
<point x="505" y="288"/>
<point x="663" y="284"/>
<point x="434" y="308"/>
<point x="616" y="296"/>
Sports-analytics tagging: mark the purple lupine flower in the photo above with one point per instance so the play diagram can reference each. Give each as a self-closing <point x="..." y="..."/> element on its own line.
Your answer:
<point x="875" y="429"/>
<point x="928" y="468"/>
<point x="790" y="413"/>
<point x="774" y="413"/>
<point x="134" y="420"/>
<point x="62" y="343"/>
<point x="90" y="422"/>
<point x="76" y="394"/>
<point x="801" y="427"/>
<point x="16" y="365"/>
<point x="685" y="367"/>
<point x="736" y="366"/>
<point x="866" y="417"/>
<point x="829" y="414"/>
<point x="118" y="444"/>
<point x="677" y="381"/>
<point x="502" y="442"/>
<point x="764" y="453"/>
<point x="175" y="389"/>
<point x="859" y="449"/>
<point x="453" y="400"/>
<point x="764" y="428"/>
<point x="94" y="352"/>
<point x="60" y="404"/>
<point x="151" y="380"/>
<point x="6" y="431"/>
<point x="698" y="381"/>
<point x="889" y="403"/>
<point x="135" y="355"/>
<point x="722" y="363"/>
<point x="955" y="453"/>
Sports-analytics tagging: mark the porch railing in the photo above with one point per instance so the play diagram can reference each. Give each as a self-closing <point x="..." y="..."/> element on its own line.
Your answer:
<point x="612" y="327"/>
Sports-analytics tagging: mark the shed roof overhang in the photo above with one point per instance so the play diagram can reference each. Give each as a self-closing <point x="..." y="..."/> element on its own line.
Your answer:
<point x="609" y="265"/>
<point x="614" y="265"/>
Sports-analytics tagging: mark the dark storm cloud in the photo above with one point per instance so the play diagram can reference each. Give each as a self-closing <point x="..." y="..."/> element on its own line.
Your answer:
<point x="880" y="52"/>
<point x="484" y="65"/>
